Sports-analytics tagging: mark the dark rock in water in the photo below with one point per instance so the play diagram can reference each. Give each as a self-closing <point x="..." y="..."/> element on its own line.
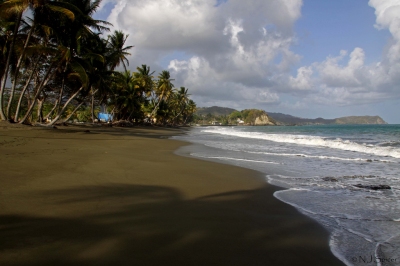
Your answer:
<point x="329" y="178"/>
<point x="369" y="160"/>
<point x="373" y="187"/>
<point x="359" y="176"/>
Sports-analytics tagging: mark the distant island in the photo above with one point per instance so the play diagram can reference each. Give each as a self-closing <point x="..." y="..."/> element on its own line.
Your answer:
<point x="216" y="115"/>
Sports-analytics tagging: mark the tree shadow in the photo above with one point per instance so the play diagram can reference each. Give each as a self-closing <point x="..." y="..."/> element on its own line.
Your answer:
<point x="95" y="133"/>
<point x="150" y="225"/>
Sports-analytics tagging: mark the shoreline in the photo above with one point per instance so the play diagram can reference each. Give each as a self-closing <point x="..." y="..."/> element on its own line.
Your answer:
<point x="121" y="196"/>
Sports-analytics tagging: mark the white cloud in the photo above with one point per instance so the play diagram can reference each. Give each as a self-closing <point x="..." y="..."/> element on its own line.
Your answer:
<point x="388" y="17"/>
<point x="303" y="80"/>
<point x="232" y="51"/>
<point x="346" y="79"/>
<point x="239" y="53"/>
<point x="335" y="75"/>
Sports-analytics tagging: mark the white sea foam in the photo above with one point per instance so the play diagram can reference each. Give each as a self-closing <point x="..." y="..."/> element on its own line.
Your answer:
<point x="311" y="141"/>
<point x="319" y="173"/>
<point x="229" y="158"/>
<point x="322" y="157"/>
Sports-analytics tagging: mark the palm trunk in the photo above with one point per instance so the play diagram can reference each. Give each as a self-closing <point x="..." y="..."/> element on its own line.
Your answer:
<point x="73" y="112"/>
<point x="51" y="111"/>
<point x="65" y="107"/>
<point x="92" y="107"/>
<point x="155" y="108"/>
<point x="130" y="115"/>
<point x="183" y="108"/>
<point x="7" y="66"/>
<point x="24" y="90"/>
<point x="15" y="80"/>
<point x="76" y="109"/>
<point x="62" y="89"/>
<point x="40" y="87"/>
<point x="40" y="109"/>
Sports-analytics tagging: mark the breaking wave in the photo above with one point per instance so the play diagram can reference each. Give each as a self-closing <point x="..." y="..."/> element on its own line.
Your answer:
<point x="316" y="141"/>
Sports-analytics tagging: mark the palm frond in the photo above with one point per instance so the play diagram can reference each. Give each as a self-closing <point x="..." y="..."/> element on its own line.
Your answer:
<point x="79" y="72"/>
<point x="68" y="13"/>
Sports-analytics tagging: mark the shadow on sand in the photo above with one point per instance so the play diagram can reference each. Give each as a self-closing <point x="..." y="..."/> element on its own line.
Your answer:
<point x="120" y="224"/>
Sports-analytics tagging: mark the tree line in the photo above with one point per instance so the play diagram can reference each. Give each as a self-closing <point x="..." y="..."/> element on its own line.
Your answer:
<point x="247" y="116"/>
<point x="55" y="62"/>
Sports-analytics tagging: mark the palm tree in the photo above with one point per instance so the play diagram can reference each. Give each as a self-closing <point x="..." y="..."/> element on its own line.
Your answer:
<point x="18" y="7"/>
<point x="117" y="50"/>
<point x="181" y="100"/>
<point x="144" y="79"/>
<point x="127" y="97"/>
<point x="79" y="81"/>
<point x="82" y="38"/>
<point x="164" y="88"/>
<point x="114" y="53"/>
<point x="189" y="111"/>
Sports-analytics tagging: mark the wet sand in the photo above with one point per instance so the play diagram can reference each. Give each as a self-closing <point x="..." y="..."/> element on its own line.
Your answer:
<point x="120" y="196"/>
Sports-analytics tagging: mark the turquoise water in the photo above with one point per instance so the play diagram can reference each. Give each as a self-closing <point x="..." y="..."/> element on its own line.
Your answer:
<point x="327" y="172"/>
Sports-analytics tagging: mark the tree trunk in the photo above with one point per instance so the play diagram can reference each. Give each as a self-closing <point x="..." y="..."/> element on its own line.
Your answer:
<point x="7" y="66"/>
<point x="62" y="89"/>
<point x="44" y="82"/>
<point x="40" y="109"/>
<point x="73" y="112"/>
<point x="155" y="108"/>
<point x="92" y="107"/>
<point x="15" y="80"/>
<point x="51" y="111"/>
<point x="173" y="120"/>
<point x="24" y="90"/>
<point x="65" y="107"/>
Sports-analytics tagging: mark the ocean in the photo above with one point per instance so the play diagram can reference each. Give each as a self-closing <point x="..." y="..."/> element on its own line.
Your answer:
<point x="346" y="177"/>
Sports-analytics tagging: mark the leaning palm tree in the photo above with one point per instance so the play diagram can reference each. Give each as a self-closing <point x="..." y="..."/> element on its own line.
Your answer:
<point x="80" y="81"/>
<point x="18" y="7"/>
<point x="190" y="110"/>
<point x="82" y="37"/>
<point x="164" y="88"/>
<point x="181" y="101"/>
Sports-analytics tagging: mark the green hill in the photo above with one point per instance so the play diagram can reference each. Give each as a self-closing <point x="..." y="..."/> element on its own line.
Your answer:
<point x="368" y="120"/>
<point x="283" y="119"/>
<point x="214" y="110"/>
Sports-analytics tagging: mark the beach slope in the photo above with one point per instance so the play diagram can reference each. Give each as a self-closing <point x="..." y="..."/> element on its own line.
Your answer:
<point x="119" y="196"/>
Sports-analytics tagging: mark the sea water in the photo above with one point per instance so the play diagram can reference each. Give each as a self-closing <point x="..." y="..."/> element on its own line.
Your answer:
<point x="332" y="173"/>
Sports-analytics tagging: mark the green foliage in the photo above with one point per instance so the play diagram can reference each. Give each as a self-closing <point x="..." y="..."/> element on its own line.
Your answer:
<point x="249" y="115"/>
<point x="84" y="115"/>
<point x="57" y="54"/>
<point x="235" y="115"/>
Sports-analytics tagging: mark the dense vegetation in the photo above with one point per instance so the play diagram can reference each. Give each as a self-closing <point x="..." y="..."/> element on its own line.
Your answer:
<point x="211" y="115"/>
<point x="56" y="64"/>
<point x="229" y="116"/>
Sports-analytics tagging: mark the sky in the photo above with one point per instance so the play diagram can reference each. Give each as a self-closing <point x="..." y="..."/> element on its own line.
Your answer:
<point x="307" y="58"/>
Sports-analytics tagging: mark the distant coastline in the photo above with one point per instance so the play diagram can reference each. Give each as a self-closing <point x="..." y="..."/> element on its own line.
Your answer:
<point x="228" y="116"/>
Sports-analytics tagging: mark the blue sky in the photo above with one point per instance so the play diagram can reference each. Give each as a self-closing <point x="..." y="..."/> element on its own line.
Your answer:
<point x="326" y="27"/>
<point x="309" y="58"/>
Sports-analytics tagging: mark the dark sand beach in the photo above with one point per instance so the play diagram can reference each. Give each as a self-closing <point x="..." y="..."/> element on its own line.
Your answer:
<point x="120" y="196"/>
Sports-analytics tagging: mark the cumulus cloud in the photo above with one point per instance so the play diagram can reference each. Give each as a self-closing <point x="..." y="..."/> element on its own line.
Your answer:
<point x="239" y="53"/>
<point x="346" y="79"/>
<point x="229" y="52"/>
